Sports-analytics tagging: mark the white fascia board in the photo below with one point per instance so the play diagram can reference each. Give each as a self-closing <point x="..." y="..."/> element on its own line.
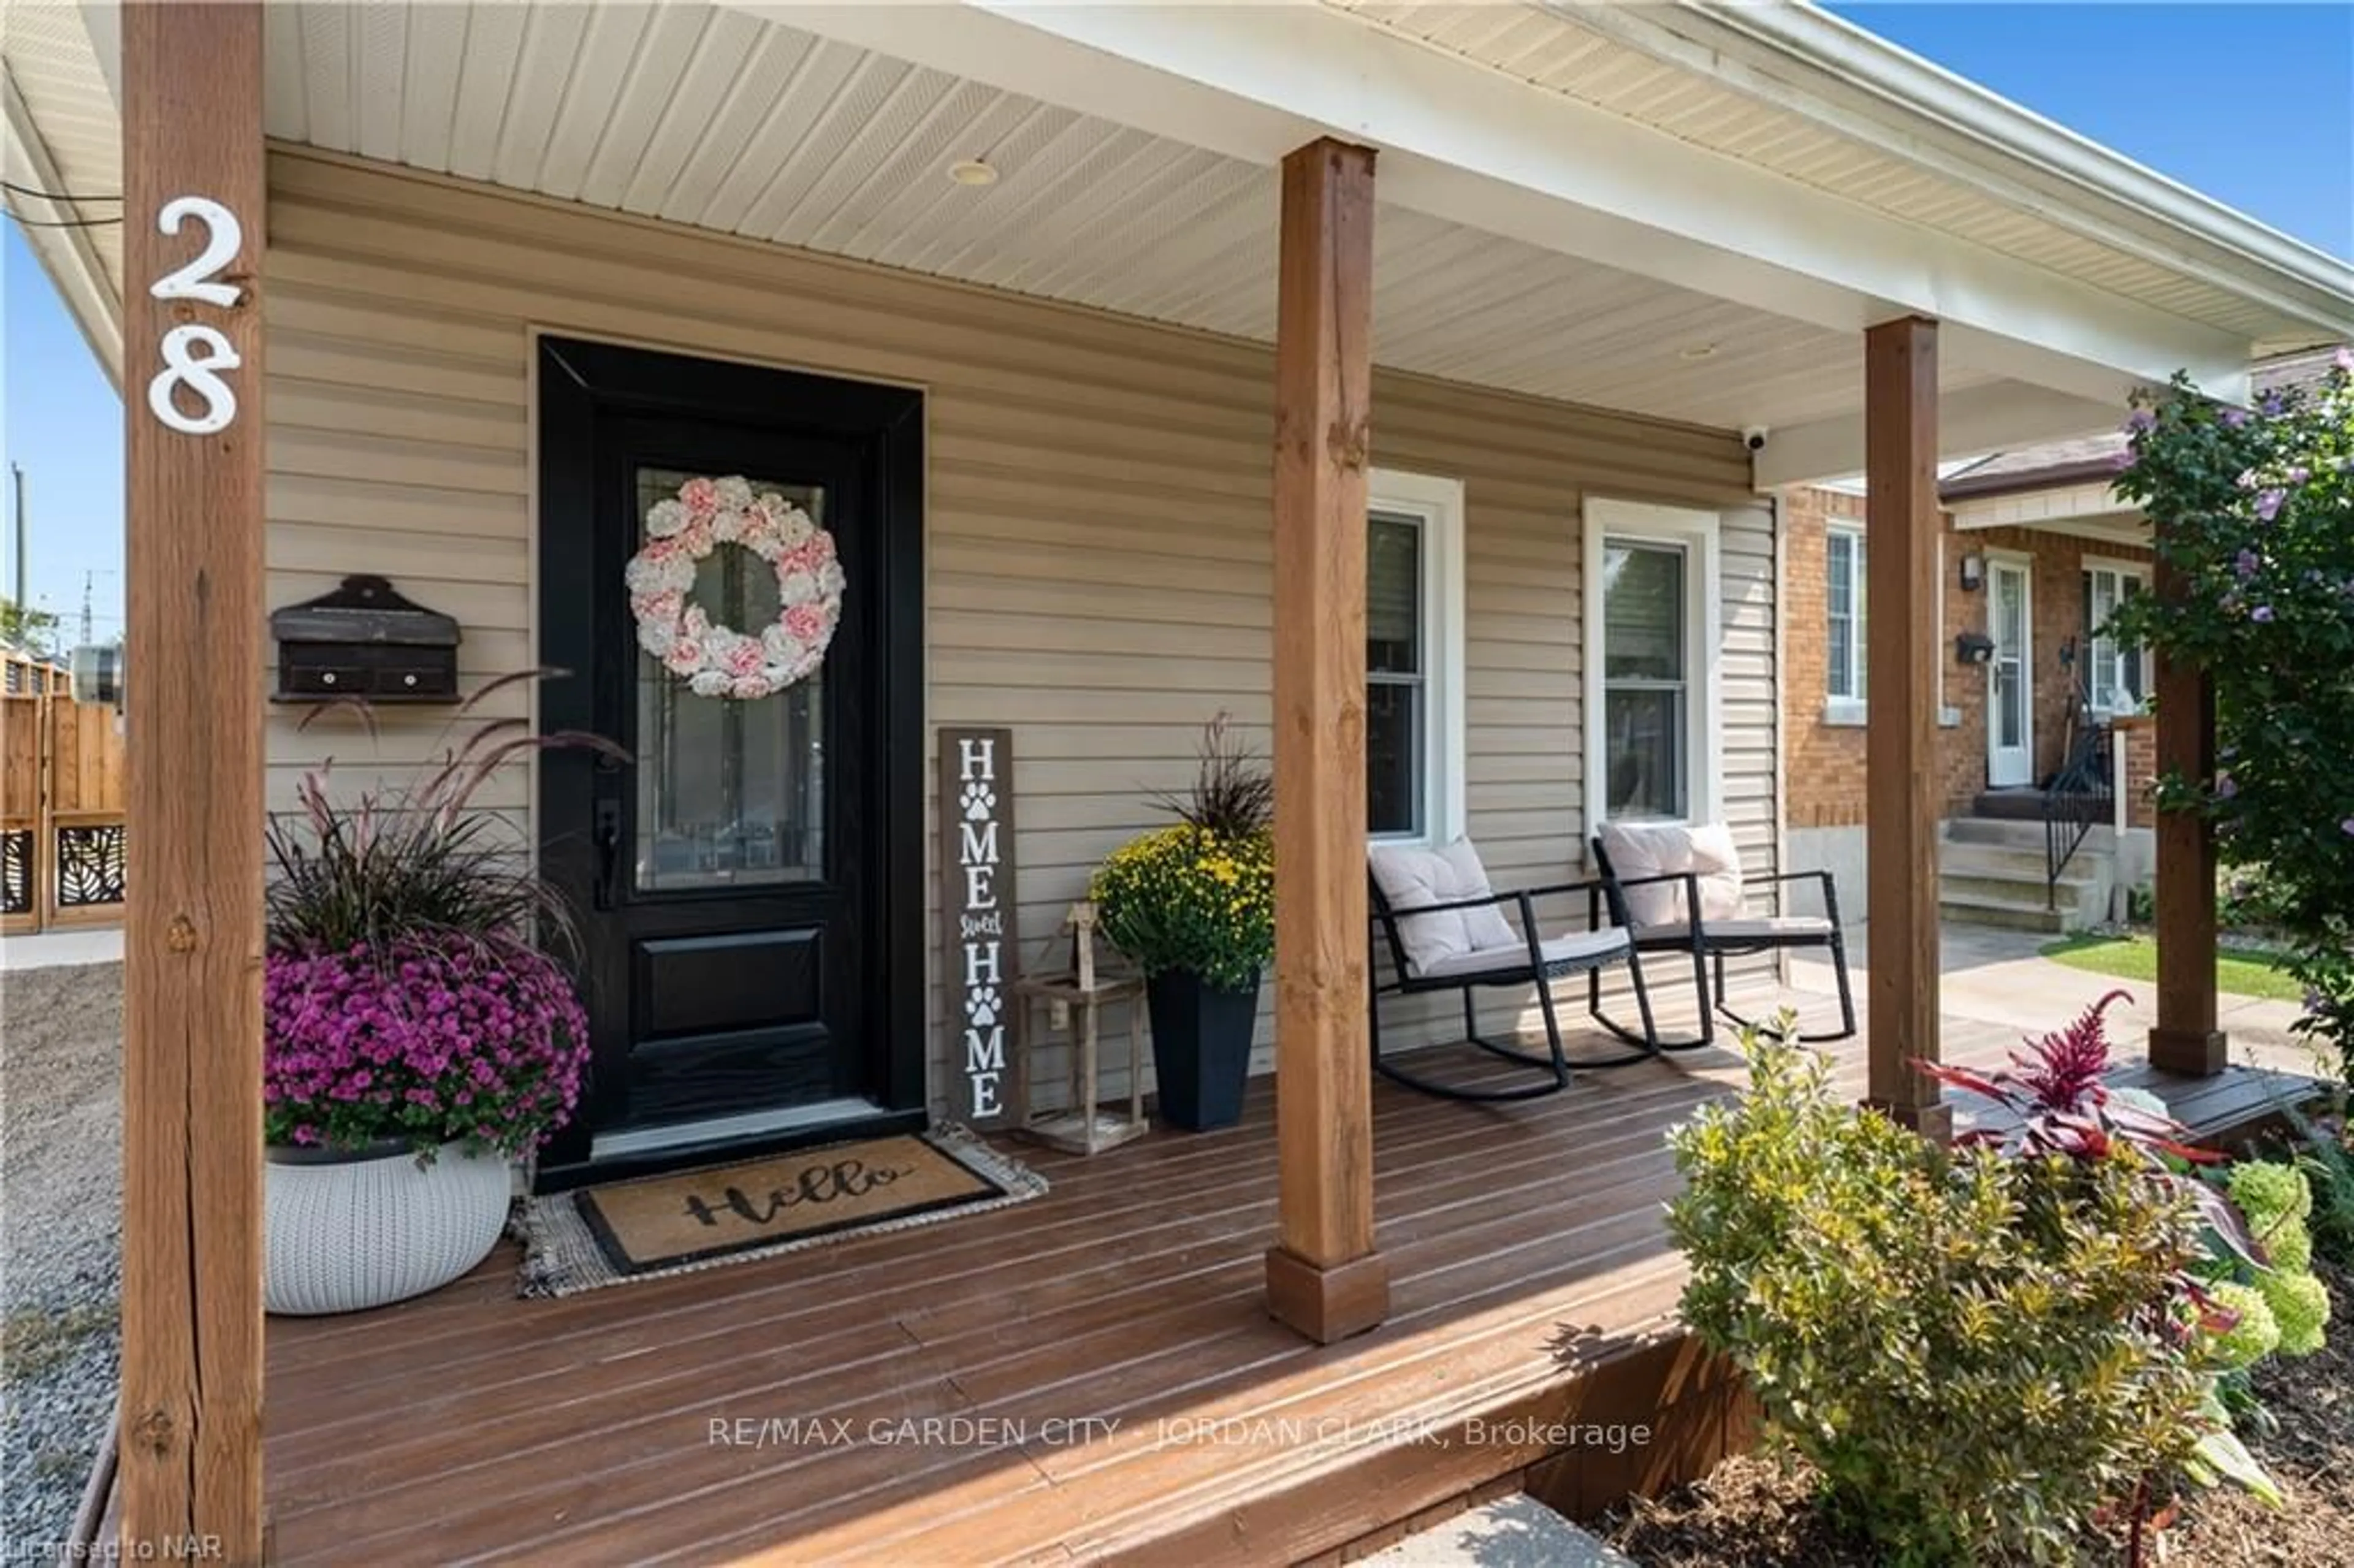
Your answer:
<point x="102" y="20"/>
<point x="1994" y="416"/>
<point x="1849" y="80"/>
<point x="67" y="255"/>
<point x="1464" y="143"/>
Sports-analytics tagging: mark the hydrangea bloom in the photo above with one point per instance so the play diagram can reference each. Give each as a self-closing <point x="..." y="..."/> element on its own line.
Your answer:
<point x="2255" y="1334"/>
<point x="437" y="1038"/>
<point x="2268" y="1190"/>
<point x="2301" y="1307"/>
<point x="2289" y="1245"/>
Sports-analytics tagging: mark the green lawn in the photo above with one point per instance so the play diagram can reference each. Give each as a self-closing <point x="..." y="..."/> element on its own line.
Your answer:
<point x="2136" y="958"/>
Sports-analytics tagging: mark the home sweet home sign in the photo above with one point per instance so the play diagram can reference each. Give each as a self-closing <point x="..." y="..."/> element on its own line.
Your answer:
<point x="977" y="901"/>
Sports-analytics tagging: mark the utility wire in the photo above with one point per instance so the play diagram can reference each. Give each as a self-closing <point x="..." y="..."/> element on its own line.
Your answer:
<point x="61" y="222"/>
<point x="15" y="189"/>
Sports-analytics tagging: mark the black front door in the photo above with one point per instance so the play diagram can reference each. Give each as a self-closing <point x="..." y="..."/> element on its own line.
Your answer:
<point x="748" y="885"/>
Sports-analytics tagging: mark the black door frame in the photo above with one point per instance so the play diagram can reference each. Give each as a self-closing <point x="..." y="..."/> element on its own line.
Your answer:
<point x="578" y="381"/>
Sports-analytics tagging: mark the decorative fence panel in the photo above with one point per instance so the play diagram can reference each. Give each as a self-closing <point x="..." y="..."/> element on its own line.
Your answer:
<point x="61" y="827"/>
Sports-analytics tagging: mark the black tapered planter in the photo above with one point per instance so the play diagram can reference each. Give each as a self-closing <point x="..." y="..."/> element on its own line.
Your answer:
<point x="1200" y="1048"/>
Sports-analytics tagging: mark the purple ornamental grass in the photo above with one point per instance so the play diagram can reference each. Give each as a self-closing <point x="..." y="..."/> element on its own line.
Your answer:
<point x="438" y="1038"/>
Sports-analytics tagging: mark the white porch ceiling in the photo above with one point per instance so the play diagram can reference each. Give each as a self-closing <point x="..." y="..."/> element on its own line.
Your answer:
<point x="713" y="117"/>
<point x="1624" y="59"/>
<point x="62" y="135"/>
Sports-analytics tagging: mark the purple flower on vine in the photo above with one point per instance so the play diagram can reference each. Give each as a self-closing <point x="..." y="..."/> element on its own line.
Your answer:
<point x="2226" y="786"/>
<point x="2246" y="564"/>
<point x="2268" y="504"/>
<point x="2299" y="474"/>
<point x="2345" y="826"/>
<point x="2343" y="359"/>
<point x="2272" y="404"/>
<point x="2141" y="422"/>
<point x="2262" y="612"/>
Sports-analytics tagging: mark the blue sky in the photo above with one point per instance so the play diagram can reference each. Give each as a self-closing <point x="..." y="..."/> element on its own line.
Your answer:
<point x="2251" y="104"/>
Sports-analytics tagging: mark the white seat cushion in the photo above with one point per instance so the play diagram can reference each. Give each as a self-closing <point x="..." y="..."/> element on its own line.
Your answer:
<point x="1639" y="850"/>
<point x="1413" y="878"/>
<point x="1514" y="955"/>
<point x="1771" y="928"/>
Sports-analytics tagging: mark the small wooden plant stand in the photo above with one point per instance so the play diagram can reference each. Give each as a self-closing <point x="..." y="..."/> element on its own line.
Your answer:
<point x="1074" y="999"/>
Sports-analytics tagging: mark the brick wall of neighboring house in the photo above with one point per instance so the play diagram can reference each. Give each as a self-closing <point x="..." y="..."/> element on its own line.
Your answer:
<point x="2140" y="739"/>
<point x="1824" y="762"/>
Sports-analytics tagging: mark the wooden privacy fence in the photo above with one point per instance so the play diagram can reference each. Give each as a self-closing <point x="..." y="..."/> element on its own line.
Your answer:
<point x="61" y="831"/>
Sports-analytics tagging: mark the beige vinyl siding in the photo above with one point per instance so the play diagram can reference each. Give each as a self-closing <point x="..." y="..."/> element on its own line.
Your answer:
<point x="1096" y="550"/>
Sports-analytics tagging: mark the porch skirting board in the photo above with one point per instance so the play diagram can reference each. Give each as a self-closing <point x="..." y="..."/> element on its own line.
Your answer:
<point x="562" y="1257"/>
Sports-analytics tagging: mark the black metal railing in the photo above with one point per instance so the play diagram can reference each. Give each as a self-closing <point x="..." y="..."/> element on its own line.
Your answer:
<point x="2075" y="801"/>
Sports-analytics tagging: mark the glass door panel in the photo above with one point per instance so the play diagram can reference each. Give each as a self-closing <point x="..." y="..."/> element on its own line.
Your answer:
<point x="730" y="792"/>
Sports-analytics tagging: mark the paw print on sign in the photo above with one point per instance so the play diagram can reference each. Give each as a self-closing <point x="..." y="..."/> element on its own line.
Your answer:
<point x="980" y="800"/>
<point x="981" y="1005"/>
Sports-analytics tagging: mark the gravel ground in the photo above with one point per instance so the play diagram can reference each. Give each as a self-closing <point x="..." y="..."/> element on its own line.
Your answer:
<point x="60" y="1222"/>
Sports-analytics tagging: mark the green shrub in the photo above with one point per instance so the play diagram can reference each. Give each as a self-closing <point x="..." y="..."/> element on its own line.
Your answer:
<point x="2324" y="1149"/>
<point x="1977" y="1349"/>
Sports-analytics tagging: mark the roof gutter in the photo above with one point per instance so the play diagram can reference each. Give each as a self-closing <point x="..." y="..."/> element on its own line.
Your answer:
<point x="1808" y="62"/>
<point x="1962" y="487"/>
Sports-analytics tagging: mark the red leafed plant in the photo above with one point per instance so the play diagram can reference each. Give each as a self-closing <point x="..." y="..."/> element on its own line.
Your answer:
<point x="2055" y="1088"/>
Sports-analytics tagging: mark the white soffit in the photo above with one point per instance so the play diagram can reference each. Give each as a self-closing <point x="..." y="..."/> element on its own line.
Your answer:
<point x="1681" y="70"/>
<point x="63" y="135"/>
<point x="716" y="118"/>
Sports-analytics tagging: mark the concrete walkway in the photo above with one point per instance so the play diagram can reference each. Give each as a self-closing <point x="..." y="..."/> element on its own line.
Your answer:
<point x="1999" y="976"/>
<point x="62" y="950"/>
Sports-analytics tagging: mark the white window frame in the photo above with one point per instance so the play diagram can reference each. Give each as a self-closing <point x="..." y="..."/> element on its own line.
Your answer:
<point x="2141" y="572"/>
<point x="1437" y="503"/>
<point x="1847" y="707"/>
<point x="1698" y="533"/>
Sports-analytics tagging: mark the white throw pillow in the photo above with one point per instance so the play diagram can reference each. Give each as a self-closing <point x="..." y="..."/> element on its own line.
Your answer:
<point x="1657" y="849"/>
<point x="1413" y="878"/>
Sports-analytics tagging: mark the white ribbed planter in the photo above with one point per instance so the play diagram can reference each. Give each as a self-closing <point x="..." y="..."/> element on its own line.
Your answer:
<point x="348" y="1232"/>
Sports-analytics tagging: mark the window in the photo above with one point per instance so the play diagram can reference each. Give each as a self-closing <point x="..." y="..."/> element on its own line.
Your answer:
<point x="1650" y="673"/>
<point x="2116" y="676"/>
<point x="1843" y="554"/>
<point x="1414" y="658"/>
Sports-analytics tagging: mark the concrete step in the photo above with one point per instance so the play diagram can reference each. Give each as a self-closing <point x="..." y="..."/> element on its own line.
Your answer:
<point x="2019" y="836"/>
<point x="2012" y="913"/>
<point x="1515" y="1532"/>
<point x="1965" y="859"/>
<point x="2074" y="890"/>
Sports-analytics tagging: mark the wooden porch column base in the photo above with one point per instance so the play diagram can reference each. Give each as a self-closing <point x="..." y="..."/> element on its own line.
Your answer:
<point x="1326" y="1303"/>
<point x="1934" y="1122"/>
<point x="2197" y="1053"/>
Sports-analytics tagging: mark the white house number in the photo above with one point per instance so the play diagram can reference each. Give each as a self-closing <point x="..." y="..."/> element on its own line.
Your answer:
<point x="194" y="356"/>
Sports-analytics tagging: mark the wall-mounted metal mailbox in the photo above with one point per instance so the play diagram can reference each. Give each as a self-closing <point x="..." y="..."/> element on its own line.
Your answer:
<point x="364" y="641"/>
<point x="1974" y="648"/>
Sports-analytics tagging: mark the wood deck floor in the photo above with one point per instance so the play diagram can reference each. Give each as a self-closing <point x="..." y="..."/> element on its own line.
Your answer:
<point x="1123" y="1392"/>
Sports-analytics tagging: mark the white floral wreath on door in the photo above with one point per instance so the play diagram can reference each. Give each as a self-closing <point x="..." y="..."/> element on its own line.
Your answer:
<point x="719" y="661"/>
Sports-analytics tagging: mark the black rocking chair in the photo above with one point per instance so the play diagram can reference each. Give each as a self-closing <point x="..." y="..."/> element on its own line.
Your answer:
<point x="1533" y="960"/>
<point x="1709" y="942"/>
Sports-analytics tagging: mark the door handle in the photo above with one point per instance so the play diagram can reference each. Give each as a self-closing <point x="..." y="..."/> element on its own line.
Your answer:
<point x="607" y="829"/>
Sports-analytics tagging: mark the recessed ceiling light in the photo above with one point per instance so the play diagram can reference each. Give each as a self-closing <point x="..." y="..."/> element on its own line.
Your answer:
<point x="973" y="172"/>
<point x="1697" y="351"/>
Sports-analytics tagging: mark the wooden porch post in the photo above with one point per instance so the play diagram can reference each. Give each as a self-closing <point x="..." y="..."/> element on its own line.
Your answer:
<point x="1323" y="1277"/>
<point x="189" y="1448"/>
<point x="1903" y="643"/>
<point x="2185" y="1039"/>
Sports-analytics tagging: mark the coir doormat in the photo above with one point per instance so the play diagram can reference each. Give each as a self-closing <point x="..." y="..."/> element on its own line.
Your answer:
<point x="660" y="1225"/>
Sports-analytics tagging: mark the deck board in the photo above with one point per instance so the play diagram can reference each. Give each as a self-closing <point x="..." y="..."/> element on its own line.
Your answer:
<point x="1529" y="1264"/>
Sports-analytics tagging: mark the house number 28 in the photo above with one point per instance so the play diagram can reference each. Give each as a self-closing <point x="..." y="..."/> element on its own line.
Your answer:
<point x="193" y="355"/>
